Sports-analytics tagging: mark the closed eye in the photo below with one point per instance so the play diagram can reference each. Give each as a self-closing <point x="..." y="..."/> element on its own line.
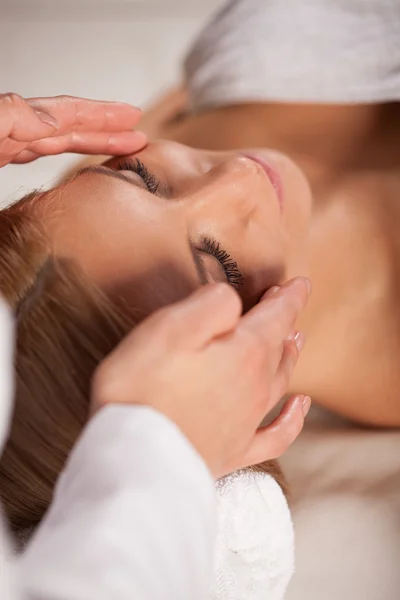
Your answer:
<point x="118" y="174"/>
<point x="136" y="166"/>
<point x="229" y="267"/>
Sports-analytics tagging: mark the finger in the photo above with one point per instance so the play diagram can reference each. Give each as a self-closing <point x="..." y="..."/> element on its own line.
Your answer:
<point x="21" y="123"/>
<point x="81" y="114"/>
<point x="9" y="149"/>
<point x="272" y="441"/>
<point x="290" y="356"/>
<point x="274" y="317"/>
<point x="24" y="157"/>
<point x="212" y="311"/>
<point x="125" y="142"/>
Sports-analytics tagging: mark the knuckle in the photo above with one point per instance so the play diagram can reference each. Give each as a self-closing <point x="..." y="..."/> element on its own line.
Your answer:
<point x="162" y="317"/>
<point x="167" y="322"/>
<point x="11" y="99"/>
<point x="63" y="98"/>
<point x="253" y="351"/>
<point x="104" y="386"/>
<point x="252" y="342"/>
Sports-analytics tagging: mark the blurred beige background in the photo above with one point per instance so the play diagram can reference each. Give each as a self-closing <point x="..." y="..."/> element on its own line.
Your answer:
<point x="108" y="49"/>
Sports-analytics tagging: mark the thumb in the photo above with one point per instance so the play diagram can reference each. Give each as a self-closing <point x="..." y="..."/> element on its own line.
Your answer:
<point x="273" y="440"/>
<point x="210" y="312"/>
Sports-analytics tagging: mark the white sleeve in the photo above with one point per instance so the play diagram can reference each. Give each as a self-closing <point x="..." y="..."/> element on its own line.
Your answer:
<point x="132" y="517"/>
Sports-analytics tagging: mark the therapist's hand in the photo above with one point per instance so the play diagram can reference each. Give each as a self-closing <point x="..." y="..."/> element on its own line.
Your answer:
<point x="43" y="126"/>
<point x="215" y="372"/>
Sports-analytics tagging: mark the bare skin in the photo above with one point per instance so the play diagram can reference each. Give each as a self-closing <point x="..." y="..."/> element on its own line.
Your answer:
<point x="350" y="156"/>
<point x="351" y="242"/>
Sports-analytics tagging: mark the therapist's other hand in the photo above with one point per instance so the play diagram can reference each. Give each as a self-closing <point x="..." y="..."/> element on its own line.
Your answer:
<point x="215" y="373"/>
<point x="44" y="126"/>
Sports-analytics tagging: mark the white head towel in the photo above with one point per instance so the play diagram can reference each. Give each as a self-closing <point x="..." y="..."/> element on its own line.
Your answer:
<point x="334" y="51"/>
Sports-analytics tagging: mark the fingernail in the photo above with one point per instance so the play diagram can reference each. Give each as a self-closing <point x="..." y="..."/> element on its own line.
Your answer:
<point x="306" y="405"/>
<point x="270" y="292"/>
<point x="309" y="285"/>
<point x="299" y="338"/>
<point x="46" y="118"/>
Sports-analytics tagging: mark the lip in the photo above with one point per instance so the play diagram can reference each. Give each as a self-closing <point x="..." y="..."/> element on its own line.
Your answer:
<point x="272" y="174"/>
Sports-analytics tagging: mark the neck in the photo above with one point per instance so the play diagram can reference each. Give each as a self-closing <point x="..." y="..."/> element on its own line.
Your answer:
<point x="330" y="140"/>
<point x="353" y="253"/>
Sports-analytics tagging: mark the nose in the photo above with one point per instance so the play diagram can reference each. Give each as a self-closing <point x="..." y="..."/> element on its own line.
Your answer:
<point x="225" y="187"/>
<point x="231" y="187"/>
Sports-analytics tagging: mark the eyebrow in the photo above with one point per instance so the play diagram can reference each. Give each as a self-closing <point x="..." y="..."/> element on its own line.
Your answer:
<point x="102" y="170"/>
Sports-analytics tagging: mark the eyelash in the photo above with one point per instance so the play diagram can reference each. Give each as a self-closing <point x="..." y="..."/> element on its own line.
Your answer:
<point x="208" y="245"/>
<point x="136" y="166"/>
<point x="232" y="271"/>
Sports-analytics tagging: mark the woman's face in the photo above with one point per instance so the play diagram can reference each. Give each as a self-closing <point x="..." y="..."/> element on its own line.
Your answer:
<point x="154" y="226"/>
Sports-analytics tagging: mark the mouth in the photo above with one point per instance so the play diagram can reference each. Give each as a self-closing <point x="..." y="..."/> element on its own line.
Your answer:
<point x="272" y="174"/>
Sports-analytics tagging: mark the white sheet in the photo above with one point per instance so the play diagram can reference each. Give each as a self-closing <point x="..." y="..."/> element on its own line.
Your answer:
<point x="346" y="510"/>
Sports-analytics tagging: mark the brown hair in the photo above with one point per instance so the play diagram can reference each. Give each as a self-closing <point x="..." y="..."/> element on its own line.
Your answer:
<point x="64" y="327"/>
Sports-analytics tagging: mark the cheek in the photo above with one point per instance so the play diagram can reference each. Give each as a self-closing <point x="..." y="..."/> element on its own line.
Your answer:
<point x="264" y="262"/>
<point x="154" y="289"/>
<point x="137" y="268"/>
<point x="297" y="223"/>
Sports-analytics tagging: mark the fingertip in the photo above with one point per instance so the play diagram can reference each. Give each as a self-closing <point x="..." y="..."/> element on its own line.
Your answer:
<point x="295" y="291"/>
<point x="223" y="291"/>
<point x="298" y="338"/>
<point x="140" y="137"/>
<point x="271" y="292"/>
<point x="274" y="439"/>
<point x="306" y="405"/>
<point x="118" y="104"/>
<point x="297" y="405"/>
<point x="121" y="116"/>
<point x="229" y="295"/>
<point x="126" y="142"/>
<point x="219" y="299"/>
<point x="127" y="105"/>
<point x="308" y="284"/>
<point x="302" y="282"/>
<point x="291" y="417"/>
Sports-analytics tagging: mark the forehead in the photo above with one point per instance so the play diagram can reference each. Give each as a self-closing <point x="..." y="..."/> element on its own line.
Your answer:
<point x="90" y="202"/>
